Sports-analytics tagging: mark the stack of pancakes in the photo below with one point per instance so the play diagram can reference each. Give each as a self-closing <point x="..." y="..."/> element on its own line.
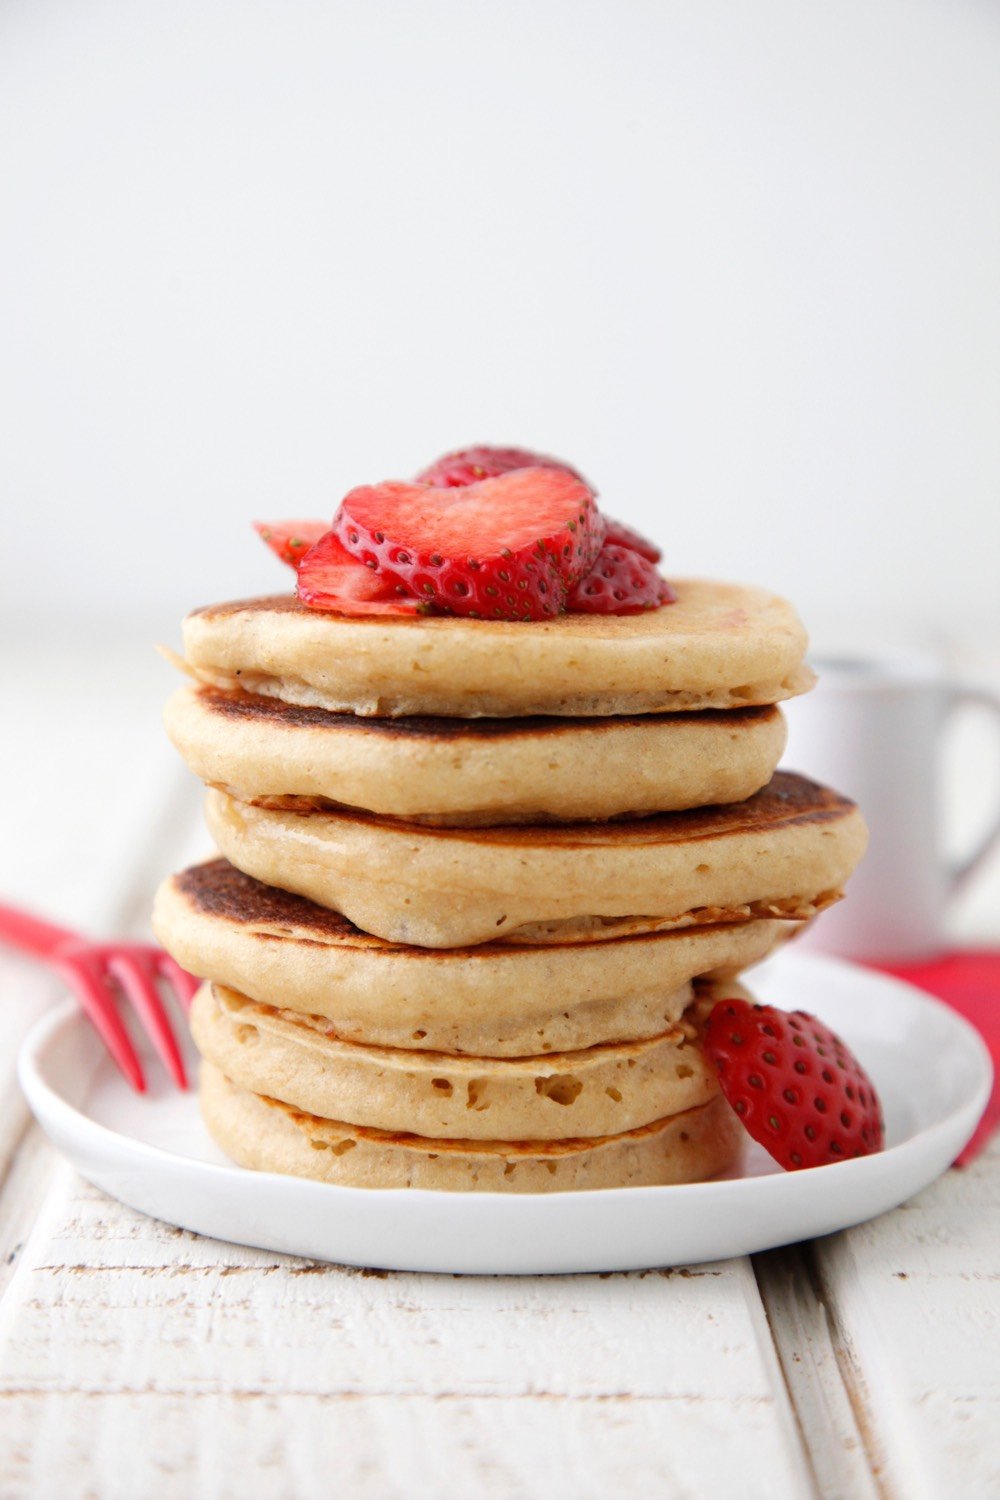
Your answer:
<point x="481" y="881"/>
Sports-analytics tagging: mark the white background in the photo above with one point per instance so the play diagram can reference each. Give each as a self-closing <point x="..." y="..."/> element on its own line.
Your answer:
<point x="738" y="262"/>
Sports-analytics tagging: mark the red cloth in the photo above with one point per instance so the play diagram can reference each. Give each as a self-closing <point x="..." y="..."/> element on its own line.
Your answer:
<point x="970" y="983"/>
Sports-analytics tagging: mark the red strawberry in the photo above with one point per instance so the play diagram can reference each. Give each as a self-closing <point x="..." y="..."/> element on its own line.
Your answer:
<point x="623" y="536"/>
<point x="621" y="582"/>
<point x="506" y="548"/>
<point x="291" y="540"/>
<point x="470" y="465"/>
<point x="330" y="578"/>
<point x="798" y="1090"/>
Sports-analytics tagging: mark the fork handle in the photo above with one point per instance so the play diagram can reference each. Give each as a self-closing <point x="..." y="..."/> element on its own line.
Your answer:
<point x="28" y="934"/>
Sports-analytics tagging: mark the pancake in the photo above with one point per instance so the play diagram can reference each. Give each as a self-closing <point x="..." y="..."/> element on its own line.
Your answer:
<point x="264" y="1134"/>
<point x="597" y="1091"/>
<point x="780" y="852"/>
<point x="501" y="999"/>
<point x="722" y="645"/>
<point x="474" y="770"/>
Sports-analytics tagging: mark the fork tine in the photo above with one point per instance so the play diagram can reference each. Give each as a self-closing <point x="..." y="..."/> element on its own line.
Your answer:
<point x="137" y="979"/>
<point x="184" y="985"/>
<point x="99" y="1007"/>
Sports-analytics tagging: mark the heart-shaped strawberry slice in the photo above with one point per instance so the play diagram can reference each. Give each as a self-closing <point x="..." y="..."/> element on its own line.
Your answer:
<point x="506" y="548"/>
<point x="469" y="465"/>
<point x="331" y="579"/>
<point x="799" y="1090"/>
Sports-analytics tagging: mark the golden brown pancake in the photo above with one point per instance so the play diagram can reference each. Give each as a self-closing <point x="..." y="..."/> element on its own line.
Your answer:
<point x="264" y="1134"/>
<point x="500" y="999"/>
<point x="594" y="1091"/>
<point x="722" y="645"/>
<point x="473" y="771"/>
<point x="781" y="852"/>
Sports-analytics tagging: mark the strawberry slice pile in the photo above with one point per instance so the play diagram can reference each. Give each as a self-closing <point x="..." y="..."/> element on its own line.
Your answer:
<point x="506" y="548"/>
<point x="800" y="1092"/>
<point x="489" y="533"/>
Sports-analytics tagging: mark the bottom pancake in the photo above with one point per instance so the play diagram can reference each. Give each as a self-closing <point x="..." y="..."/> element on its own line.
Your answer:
<point x="597" y="1091"/>
<point x="268" y="1136"/>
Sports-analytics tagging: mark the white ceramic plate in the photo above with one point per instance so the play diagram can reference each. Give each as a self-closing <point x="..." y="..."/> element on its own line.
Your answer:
<point x="152" y="1152"/>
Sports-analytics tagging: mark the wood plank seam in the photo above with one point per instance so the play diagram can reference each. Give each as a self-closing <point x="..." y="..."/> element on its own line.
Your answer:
<point x="795" y="1438"/>
<point x="852" y="1376"/>
<point x="780" y="1354"/>
<point x="805" y="1349"/>
<point x="374" y="1393"/>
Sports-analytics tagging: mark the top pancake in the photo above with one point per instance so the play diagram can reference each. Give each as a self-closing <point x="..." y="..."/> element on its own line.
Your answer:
<point x="722" y="645"/>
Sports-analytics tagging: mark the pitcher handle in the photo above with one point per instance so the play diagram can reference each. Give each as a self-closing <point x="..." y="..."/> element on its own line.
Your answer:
<point x="962" y="870"/>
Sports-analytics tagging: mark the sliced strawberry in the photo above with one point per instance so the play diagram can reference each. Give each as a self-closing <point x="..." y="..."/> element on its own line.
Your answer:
<point x="506" y="548"/>
<point x="291" y="540"/>
<point x="333" y="604"/>
<point x="621" y="582"/>
<point x="331" y="579"/>
<point x="398" y="607"/>
<point x="799" y="1091"/>
<point x="624" y="536"/>
<point x="470" y="465"/>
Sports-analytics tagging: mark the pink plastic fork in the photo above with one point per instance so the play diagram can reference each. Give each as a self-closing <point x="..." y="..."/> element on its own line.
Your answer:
<point x="95" y="972"/>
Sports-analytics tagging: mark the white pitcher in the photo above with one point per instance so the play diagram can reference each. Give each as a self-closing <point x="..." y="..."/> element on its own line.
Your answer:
<point x="872" y="729"/>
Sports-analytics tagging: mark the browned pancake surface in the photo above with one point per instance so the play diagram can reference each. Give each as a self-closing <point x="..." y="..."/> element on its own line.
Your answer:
<point x="788" y="799"/>
<point x="258" y="708"/>
<point x="218" y="889"/>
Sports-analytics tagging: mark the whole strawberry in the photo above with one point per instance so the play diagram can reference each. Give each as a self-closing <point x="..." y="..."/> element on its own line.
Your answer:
<point x="800" y="1092"/>
<point x="505" y="548"/>
<point x="621" y="582"/>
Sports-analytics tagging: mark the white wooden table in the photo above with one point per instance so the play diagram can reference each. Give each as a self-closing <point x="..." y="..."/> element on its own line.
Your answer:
<point x="137" y="1360"/>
